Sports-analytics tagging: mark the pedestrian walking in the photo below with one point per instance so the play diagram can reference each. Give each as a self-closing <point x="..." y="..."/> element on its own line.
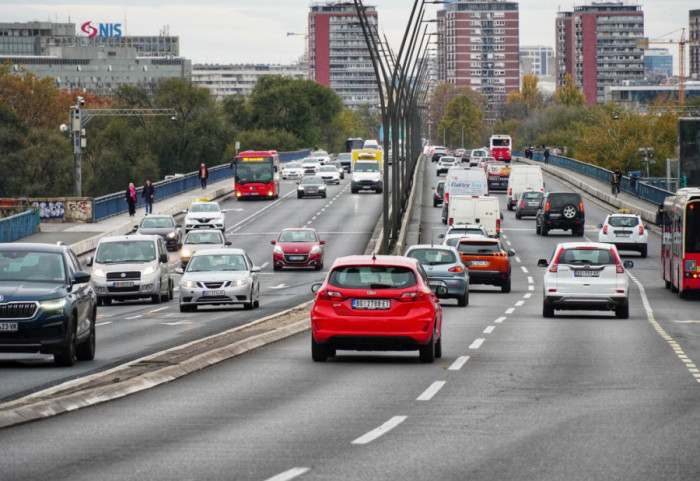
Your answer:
<point x="203" y="175"/>
<point x="130" y="198"/>
<point x="616" y="181"/>
<point x="546" y="156"/>
<point x="147" y="195"/>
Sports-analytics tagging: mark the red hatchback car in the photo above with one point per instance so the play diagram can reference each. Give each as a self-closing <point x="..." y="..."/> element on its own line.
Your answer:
<point x="376" y="303"/>
<point x="297" y="248"/>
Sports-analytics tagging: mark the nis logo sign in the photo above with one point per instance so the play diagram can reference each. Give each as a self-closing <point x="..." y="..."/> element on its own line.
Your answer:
<point x="103" y="30"/>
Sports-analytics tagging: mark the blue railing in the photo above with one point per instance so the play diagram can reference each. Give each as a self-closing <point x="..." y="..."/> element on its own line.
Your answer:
<point x="643" y="190"/>
<point x="19" y="226"/>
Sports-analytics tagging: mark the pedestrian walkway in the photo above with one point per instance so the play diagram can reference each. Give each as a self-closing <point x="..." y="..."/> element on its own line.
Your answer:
<point x="83" y="237"/>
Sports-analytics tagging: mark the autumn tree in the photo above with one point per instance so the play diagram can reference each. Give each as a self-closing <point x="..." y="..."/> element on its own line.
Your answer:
<point x="444" y="93"/>
<point x="569" y="94"/>
<point x="462" y="118"/>
<point x="522" y="104"/>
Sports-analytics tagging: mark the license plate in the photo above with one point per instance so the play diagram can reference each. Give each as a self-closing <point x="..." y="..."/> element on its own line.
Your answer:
<point x="533" y="204"/>
<point x="8" y="327"/>
<point x="252" y="193"/>
<point x="123" y="284"/>
<point x="580" y="273"/>
<point x="296" y="258"/>
<point x="554" y="215"/>
<point x="213" y="293"/>
<point x="478" y="263"/>
<point x="371" y="303"/>
<point x="435" y="283"/>
<point x="622" y="234"/>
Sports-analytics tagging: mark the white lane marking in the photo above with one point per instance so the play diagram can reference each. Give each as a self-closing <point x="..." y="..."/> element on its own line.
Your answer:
<point x="500" y="319"/>
<point x="509" y="244"/>
<point x="177" y="323"/>
<point x="380" y="431"/>
<point x="687" y="322"/>
<point x="530" y="280"/>
<point x="489" y="329"/>
<point x="103" y="323"/>
<point x="517" y="259"/>
<point x="431" y="391"/>
<point x="660" y="330"/>
<point x="156" y="310"/>
<point x="265" y="265"/>
<point x="459" y="363"/>
<point x="477" y="344"/>
<point x="278" y="286"/>
<point x="510" y="310"/>
<point x="525" y="271"/>
<point x="530" y="288"/>
<point x="527" y="296"/>
<point x="290" y="474"/>
<point x="240" y="224"/>
<point x="133" y="317"/>
<point x="519" y="303"/>
<point x="505" y="236"/>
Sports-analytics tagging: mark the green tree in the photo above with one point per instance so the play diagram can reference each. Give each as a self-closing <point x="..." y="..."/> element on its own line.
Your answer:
<point x="522" y="104"/>
<point x="569" y="94"/>
<point x="461" y="117"/>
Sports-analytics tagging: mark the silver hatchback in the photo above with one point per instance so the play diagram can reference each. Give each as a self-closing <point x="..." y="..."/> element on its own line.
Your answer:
<point x="444" y="267"/>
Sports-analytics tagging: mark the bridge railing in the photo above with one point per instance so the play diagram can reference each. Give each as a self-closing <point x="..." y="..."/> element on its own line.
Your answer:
<point x="19" y="225"/>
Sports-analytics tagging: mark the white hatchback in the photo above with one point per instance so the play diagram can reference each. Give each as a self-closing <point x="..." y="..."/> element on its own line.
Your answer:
<point x="625" y="231"/>
<point x="586" y="276"/>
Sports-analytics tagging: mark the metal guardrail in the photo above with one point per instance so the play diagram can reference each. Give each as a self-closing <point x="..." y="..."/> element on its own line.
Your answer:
<point x="643" y="190"/>
<point x="19" y="225"/>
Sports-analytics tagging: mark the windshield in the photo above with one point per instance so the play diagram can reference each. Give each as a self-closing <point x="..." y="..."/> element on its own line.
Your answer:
<point x="310" y="161"/>
<point x="467" y="231"/>
<point x="115" y="252"/>
<point x="32" y="266"/>
<point x="311" y="180"/>
<point x="205" y="208"/>
<point x="447" y="159"/>
<point x="211" y="263"/>
<point x="204" y="238"/>
<point x="478" y="153"/>
<point x="366" y="167"/>
<point x="372" y="277"/>
<point x="345" y="156"/>
<point x="157" y="222"/>
<point x="321" y="153"/>
<point x="261" y="172"/>
<point x="433" y="257"/>
<point x="293" y="166"/>
<point x="328" y="168"/>
<point x="297" y="236"/>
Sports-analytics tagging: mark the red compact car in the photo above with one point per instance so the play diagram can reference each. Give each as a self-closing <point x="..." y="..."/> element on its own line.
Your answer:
<point x="297" y="248"/>
<point x="376" y="303"/>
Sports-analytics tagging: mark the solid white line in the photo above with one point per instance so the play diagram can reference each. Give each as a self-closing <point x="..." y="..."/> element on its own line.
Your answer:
<point x="291" y="474"/>
<point x="477" y="344"/>
<point x="500" y="319"/>
<point x="519" y="303"/>
<point x="489" y="329"/>
<point x="380" y="431"/>
<point x="459" y="362"/>
<point x="103" y="323"/>
<point x="160" y="309"/>
<point x="530" y="280"/>
<point x="524" y="269"/>
<point x="431" y="391"/>
<point x="133" y="317"/>
<point x="510" y="310"/>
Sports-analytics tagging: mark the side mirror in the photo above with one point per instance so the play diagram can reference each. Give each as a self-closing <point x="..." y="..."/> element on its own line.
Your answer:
<point x="600" y="226"/>
<point x="542" y="263"/>
<point x="81" y="277"/>
<point x="179" y="270"/>
<point x="179" y="226"/>
<point x="164" y="258"/>
<point x="511" y="253"/>
<point x="227" y="243"/>
<point x="628" y="264"/>
<point x="89" y="261"/>
<point x="255" y="269"/>
<point x="273" y="242"/>
<point x="441" y="291"/>
<point x="441" y="236"/>
<point x="135" y="229"/>
<point x="224" y="210"/>
<point x="323" y="242"/>
<point x="315" y="288"/>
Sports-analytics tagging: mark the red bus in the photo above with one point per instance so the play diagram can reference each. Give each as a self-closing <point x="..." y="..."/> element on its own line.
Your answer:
<point x="680" y="241"/>
<point x="257" y="175"/>
<point x="500" y="147"/>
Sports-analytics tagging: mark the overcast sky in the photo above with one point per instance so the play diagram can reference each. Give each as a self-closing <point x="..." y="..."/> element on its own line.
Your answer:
<point x="254" y="31"/>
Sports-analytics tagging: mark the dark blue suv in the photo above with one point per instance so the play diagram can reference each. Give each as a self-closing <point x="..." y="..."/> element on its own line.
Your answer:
<point x="47" y="305"/>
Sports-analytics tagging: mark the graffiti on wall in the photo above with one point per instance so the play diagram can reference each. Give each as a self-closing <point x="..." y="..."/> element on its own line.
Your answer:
<point x="50" y="209"/>
<point x="78" y="210"/>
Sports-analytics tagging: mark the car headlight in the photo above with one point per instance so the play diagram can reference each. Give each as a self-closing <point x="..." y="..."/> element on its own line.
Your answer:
<point x="278" y="250"/>
<point x="239" y="282"/>
<point x="97" y="272"/>
<point x="300" y="188"/>
<point x="323" y="187"/>
<point x="315" y="250"/>
<point x="186" y="253"/>
<point x="149" y="270"/>
<point x="171" y="235"/>
<point x="53" y="304"/>
<point x="189" y="284"/>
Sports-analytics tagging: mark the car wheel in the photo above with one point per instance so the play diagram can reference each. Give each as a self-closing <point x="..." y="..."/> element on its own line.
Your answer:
<point x="319" y="352"/>
<point x="353" y="190"/>
<point x="155" y="299"/>
<point x="438" y="349"/>
<point x="107" y="301"/>
<point x="547" y="310"/>
<point x="380" y="190"/>
<point x="538" y="229"/>
<point x="427" y="353"/>
<point x="299" y="196"/>
<point x="643" y="251"/>
<point x="667" y="284"/>
<point x="86" y="350"/>
<point x="544" y="230"/>
<point x="165" y="297"/>
<point x="569" y="211"/>
<point x="505" y="287"/>
<point x="463" y="300"/>
<point x="186" y="308"/>
<point x="67" y="357"/>
<point x="518" y="215"/>
<point x="435" y="204"/>
<point x="622" y="312"/>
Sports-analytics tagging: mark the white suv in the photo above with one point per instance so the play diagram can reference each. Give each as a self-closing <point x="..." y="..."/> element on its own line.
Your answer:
<point x="586" y="276"/>
<point x="625" y="231"/>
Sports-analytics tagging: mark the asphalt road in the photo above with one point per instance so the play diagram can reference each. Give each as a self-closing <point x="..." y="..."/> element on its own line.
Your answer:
<point x="516" y="396"/>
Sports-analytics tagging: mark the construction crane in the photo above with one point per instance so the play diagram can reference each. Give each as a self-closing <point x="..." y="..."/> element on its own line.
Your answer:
<point x="681" y="59"/>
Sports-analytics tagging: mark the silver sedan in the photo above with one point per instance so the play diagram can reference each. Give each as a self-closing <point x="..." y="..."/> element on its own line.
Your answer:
<point x="216" y="277"/>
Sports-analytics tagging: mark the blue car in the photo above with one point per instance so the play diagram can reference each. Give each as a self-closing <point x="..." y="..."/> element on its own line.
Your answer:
<point x="443" y="266"/>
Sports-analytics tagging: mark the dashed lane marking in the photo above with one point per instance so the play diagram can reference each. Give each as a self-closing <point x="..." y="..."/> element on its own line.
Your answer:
<point x="477" y="343"/>
<point x="500" y="320"/>
<point x="428" y="394"/>
<point x="489" y="329"/>
<point x="380" y="431"/>
<point x="459" y="363"/>
<point x="290" y="474"/>
<point x="530" y="280"/>
<point x="525" y="271"/>
<point x="510" y="310"/>
<point x="103" y="323"/>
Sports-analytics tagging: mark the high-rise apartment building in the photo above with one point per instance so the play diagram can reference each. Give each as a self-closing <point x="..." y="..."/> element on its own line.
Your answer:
<point x="694" y="37"/>
<point x="598" y="45"/>
<point x="537" y="60"/>
<point x="479" y="47"/>
<point x="338" y="53"/>
<point x="239" y="79"/>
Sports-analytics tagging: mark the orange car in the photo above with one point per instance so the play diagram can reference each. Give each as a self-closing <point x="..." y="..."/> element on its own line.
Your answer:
<point x="487" y="261"/>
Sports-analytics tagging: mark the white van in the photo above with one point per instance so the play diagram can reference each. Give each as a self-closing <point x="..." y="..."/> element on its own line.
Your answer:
<point x="483" y="211"/>
<point x="521" y="179"/>
<point x="460" y="180"/>
<point x="477" y="156"/>
<point x="371" y="144"/>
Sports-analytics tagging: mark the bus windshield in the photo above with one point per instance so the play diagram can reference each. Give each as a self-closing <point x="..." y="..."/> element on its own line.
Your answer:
<point x="249" y="172"/>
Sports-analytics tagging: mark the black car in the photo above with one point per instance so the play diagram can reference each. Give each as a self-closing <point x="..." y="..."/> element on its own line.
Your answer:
<point x="311" y="186"/>
<point x="164" y="226"/>
<point x="561" y="210"/>
<point x="438" y="193"/>
<point x="528" y="203"/>
<point x="47" y="305"/>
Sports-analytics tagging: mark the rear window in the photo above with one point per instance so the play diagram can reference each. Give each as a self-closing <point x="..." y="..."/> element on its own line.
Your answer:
<point x="617" y="221"/>
<point x="480" y="248"/>
<point x="560" y="200"/>
<point x="372" y="277"/>
<point x="587" y="256"/>
<point x="532" y="195"/>
<point x="467" y="231"/>
<point x="433" y="257"/>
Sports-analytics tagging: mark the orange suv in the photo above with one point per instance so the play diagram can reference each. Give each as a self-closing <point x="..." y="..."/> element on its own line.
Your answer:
<point x="487" y="261"/>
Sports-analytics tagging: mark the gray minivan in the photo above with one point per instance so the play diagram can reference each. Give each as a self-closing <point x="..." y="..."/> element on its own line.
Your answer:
<point x="131" y="266"/>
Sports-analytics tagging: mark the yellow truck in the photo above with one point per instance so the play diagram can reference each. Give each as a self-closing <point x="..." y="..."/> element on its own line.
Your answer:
<point x="367" y="154"/>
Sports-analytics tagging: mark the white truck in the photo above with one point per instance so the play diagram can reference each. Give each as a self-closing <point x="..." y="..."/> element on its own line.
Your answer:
<point x="366" y="175"/>
<point x="483" y="211"/>
<point x="459" y="180"/>
<point x="523" y="178"/>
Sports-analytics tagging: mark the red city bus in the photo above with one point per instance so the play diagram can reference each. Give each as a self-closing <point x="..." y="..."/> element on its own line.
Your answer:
<point x="500" y="147"/>
<point x="257" y="175"/>
<point x="680" y="241"/>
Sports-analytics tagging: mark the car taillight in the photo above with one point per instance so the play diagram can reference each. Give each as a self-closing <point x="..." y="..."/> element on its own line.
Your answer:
<point x="641" y="230"/>
<point x="412" y="297"/>
<point x="510" y="191"/>
<point x="619" y="268"/>
<point x="522" y="204"/>
<point x="451" y="220"/>
<point x="555" y="265"/>
<point x="546" y="207"/>
<point x="455" y="269"/>
<point x="498" y="227"/>
<point x="580" y="204"/>
<point x="605" y="230"/>
<point x="332" y="296"/>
